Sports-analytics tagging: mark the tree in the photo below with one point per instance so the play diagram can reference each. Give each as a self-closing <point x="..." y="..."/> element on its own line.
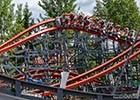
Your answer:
<point x="6" y="19"/>
<point x="11" y="23"/>
<point x="123" y="12"/>
<point x="99" y="10"/>
<point x="19" y="25"/>
<point x="27" y="19"/>
<point x="23" y="18"/>
<point x="55" y="8"/>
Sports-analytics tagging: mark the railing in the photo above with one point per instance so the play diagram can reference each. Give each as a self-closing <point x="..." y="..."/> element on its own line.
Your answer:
<point x="19" y="85"/>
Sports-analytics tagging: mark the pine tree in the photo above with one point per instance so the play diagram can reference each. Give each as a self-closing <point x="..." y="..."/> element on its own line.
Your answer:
<point x="123" y="12"/>
<point x="19" y="25"/>
<point x="12" y="23"/>
<point x="23" y="18"/>
<point x="27" y="19"/>
<point x="6" y="19"/>
<point x="99" y="10"/>
<point x="55" y="8"/>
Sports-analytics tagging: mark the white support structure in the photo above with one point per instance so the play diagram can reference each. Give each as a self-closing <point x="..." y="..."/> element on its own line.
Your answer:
<point x="64" y="77"/>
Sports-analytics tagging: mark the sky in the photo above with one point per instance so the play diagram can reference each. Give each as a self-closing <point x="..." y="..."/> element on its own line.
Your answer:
<point x="86" y="6"/>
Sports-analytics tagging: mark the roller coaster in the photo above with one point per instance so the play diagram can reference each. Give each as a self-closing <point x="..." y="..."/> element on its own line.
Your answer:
<point x="102" y="64"/>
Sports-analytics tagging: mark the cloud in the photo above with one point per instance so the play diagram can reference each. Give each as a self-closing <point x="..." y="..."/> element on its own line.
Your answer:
<point x="138" y="3"/>
<point x="32" y="3"/>
<point x="86" y="6"/>
<point x="33" y="6"/>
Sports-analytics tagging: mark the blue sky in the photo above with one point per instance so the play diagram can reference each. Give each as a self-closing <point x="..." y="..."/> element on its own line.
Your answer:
<point x="86" y="6"/>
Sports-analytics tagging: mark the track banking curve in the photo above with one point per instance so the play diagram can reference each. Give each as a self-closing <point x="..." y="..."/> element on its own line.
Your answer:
<point x="25" y="31"/>
<point x="98" y="68"/>
<point x="5" y="49"/>
<point x="47" y="30"/>
<point x="59" y="28"/>
<point x="9" y="47"/>
<point x="82" y="82"/>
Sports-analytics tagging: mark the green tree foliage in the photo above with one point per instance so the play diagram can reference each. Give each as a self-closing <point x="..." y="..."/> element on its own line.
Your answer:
<point x="123" y="12"/>
<point x="23" y="18"/>
<point x="55" y="8"/>
<point x="11" y="23"/>
<point x="18" y="20"/>
<point x="6" y="19"/>
<point x="27" y="19"/>
<point x="99" y="10"/>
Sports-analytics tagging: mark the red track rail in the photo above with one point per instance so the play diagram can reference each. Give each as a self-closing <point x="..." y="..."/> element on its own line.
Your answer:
<point x="25" y="31"/>
<point x="5" y="49"/>
<point x="99" y="67"/>
<point x="46" y="22"/>
<point x="82" y="82"/>
<point x="104" y="72"/>
<point x="43" y="70"/>
<point x="27" y="39"/>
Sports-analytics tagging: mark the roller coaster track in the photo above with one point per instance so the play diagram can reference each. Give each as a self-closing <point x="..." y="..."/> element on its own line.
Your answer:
<point x="25" y="31"/>
<point x="98" y="68"/>
<point x="5" y="49"/>
<point x="8" y="46"/>
<point x="82" y="82"/>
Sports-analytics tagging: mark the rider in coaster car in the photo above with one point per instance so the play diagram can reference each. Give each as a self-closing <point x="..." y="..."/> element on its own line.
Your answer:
<point x="80" y="20"/>
<point x="94" y="25"/>
<point x="125" y="33"/>
<point x="86" y="22"/>
<point x="131" y="35"/>
<point x="110" y="28"/>
<point x="138" y="38"/>
<point x="71" y="19"/>
<point x="65" y="20"/>
<point x="101" y="25"/>
<point x="117" y="31"/>
<point x="58" y="21"/>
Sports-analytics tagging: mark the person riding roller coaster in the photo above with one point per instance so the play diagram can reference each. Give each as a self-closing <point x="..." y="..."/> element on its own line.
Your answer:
<point x="86" y="22"/>
<point x="94" y="24"/>
<point x="110" y="28"/>
<point x="72" y="19"/>
<point x="65" y="19"/>
<point x="80" y="21"/>
<point x="131" y="35"/>
<point x="138" y="38"/>
<point x="101" y="25"/>
<point x="117" y="31"/>
<point x="125" y="33"/>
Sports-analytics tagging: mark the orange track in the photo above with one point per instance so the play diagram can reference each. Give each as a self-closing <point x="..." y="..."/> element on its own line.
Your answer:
<point x="98" y="67"/>
<point x="27" y="39"/>
<point x="82" y="82"/>
<point x="5" y="49"/>
<point x="42" y="70"/>
<point x="25" y="31"/>
<point x="57" y="28"/>
<point x="103" y="72"/>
